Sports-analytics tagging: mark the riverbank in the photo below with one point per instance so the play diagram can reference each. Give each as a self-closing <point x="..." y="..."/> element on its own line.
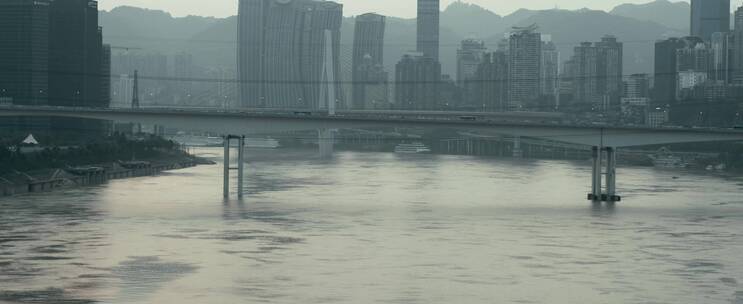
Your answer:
<point x="47" y="180"/>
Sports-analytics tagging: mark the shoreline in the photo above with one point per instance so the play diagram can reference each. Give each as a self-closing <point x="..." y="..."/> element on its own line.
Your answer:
<point x="61" y="179"/>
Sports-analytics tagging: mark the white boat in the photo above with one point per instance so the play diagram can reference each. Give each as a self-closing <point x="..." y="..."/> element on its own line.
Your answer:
<point x="262" y="143"/>
<point x="664" y="158"/>
<point x="414" y="148"/>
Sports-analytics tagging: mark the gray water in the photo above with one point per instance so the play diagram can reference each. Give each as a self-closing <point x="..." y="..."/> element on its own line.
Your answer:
<point x="379" y="228"/>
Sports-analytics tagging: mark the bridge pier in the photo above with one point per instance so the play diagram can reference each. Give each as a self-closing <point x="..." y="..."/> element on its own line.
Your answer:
<point x="517" y="152"/>
<point x="240" y="166"/>
<point x="325" y="142"/>
<point x="597" y="176"/>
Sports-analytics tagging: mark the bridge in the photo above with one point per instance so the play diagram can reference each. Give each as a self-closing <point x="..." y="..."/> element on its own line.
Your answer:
<point x="603" y="139"/>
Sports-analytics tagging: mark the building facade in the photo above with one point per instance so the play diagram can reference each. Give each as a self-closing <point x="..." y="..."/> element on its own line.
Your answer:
<point x="76" y="54"/>
<point x="596" y="74"/>
<point x="24" y="52"/>
<point x="524" y="54"/>
<point x="469" y="56"/>
<point x="492" y="82"/>
<point x="417" y="79"/>
<point x="709" y="17"/>
<point x="666" y="72"/>
<point x="428" y="28"/>
<point x="282" y="52"/>
<point x="549" y="71"/>
<point x="368" y="75"/>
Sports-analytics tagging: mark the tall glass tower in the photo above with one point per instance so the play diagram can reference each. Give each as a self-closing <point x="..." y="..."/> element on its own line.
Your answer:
<point x="708" y="17"/>
<point x="428" y="28"/>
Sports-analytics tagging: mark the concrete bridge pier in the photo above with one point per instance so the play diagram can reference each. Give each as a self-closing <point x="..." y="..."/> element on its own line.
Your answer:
<point x="228" y="166"/>
<point x="597" y="177"/>
<point x="611" y="176"/>
<point x="517" y="151"/>
<point x="325" y="142"/>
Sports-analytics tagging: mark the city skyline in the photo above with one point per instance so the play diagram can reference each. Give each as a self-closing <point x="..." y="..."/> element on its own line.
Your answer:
<point x="406" y="9"/>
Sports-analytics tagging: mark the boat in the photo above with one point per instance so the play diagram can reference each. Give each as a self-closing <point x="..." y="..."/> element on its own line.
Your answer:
<point x="664" y="158"/>
<point x="413" y="148"/>
<point x="262" y="143"/>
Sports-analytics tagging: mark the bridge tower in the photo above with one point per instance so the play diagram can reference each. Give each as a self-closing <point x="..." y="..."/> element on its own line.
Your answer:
<point x="135" y="91"/>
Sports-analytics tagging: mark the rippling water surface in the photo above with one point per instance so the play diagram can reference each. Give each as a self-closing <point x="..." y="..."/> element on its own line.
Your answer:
<point x="378" y="228"/>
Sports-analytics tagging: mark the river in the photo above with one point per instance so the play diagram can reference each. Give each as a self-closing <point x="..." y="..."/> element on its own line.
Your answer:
<point x="378" y="228"/>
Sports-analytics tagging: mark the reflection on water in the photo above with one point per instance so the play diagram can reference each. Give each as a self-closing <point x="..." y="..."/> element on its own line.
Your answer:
<point x="378" y="228"/>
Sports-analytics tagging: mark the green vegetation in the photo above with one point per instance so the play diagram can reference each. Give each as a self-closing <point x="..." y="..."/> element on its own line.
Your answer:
<point x="103" y="149"/>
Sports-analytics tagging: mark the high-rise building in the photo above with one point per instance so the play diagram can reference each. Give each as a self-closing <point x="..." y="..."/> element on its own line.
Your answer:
<point x="75" y="52"/>
<point x="549" y="70"/>
<point x="666" y="73"/>
<point x="417" y="80"/>
<point x="283" y="47"/>
<point x="24" y="51"/>
<point x="371" y="86"/>
<point x="721" y="47"/>
<point x="708" y="17"/>
<point x="428" y="28"/>
<point x="737" y="60"/>
<point x="492" y="82"/>
<point x="635" y="99"/>
<point x="611" y="66"/>
<point x="368" y="61"/>
<point x="596" y="73"/>
<point x="469" y="56"/>
<point x="585" y="76"/>
<point x="694" y="66"/>
<point x="524" y="54"/>
<point x="637" y="86"/>
<point x="106" y="74"/>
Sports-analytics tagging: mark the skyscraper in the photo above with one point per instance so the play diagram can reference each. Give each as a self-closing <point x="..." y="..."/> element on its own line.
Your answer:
<point x="24" y="51"/>
<point x="525" y="50"/>
<point x="708" y="17"/>
<point x="721" y="45"/>
<point x="282" y="46"/>
<point x="417" y="80"/>
<point x="106" y="74"/>
<point x="428" y="28"/>
<point x="597" y="74"/>
<point x="737" y="60"/>
<point x="75" y="54"/>
<point x="611" y="64"/>
<point x="549" y="70"/>
<point x="469" y="56"/>
<point x="368" y="57"/>
<point x="492" y="81"/>
<point x="666" y="73"/>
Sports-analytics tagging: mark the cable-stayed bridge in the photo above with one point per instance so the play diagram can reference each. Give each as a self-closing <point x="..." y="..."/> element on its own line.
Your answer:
<point x="235" y="124"/>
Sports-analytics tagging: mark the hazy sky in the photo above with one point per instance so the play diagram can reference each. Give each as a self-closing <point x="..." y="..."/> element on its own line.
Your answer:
<point x="402" y="8"/>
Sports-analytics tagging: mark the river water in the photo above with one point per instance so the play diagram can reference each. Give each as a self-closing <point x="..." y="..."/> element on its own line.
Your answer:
<point x="378" y="228"/>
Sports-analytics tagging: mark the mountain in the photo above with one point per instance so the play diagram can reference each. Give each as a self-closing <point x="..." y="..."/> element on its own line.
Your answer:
<point x="568" y="29"/>
<point x="466" y="19"/>
<point x="130" y="21"/>
<point x="670" y="14"/>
